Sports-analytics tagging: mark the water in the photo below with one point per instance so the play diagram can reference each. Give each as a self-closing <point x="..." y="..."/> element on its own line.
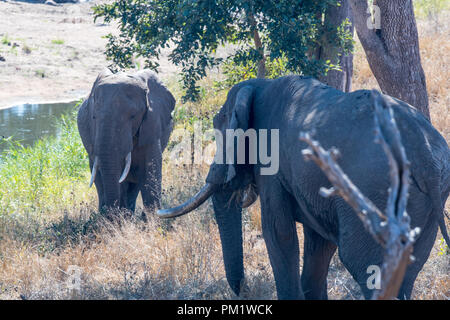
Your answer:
<point x="30" y="122"/>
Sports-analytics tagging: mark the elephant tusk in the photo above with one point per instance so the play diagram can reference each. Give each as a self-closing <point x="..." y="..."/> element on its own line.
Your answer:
<point x="192" y="204"/>
<point x="126" y="169"/>
<point x="94" y="171"/>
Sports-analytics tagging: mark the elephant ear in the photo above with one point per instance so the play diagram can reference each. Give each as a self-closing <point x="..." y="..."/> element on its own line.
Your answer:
<point x="157" y="122"/>
<point x="84" y="127"/>
<point x="103" y="74"/>
<point x="240" y="119"/>
<point x="106" y="72"/>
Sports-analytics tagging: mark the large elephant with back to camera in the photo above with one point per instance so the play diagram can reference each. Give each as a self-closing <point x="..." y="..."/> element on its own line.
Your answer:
<point x="125" y="125"/>
<point x="343" y="120"/>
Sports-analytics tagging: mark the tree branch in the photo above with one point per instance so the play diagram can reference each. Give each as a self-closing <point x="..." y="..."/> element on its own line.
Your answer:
<point x="392" y="229"/>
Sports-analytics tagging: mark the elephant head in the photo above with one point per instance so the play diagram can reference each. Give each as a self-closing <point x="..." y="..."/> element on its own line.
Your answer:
<point x="229" y="184"/>
<point x="122" y="114"/>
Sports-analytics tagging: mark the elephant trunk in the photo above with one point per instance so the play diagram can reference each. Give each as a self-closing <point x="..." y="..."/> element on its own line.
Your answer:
<point x="110" y="175"/>
<point x="229" y="220"/>
<point x="113" y="167"/>
<point x="228" y="214"/>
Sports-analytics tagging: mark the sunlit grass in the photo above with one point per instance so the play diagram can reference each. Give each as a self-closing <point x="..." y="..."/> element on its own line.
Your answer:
<point x="45" y="176"/>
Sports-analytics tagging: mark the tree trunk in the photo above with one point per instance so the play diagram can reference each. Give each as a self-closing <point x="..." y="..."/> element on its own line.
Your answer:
<point x="341" y="80"/>
<point x="261" y="73"/>
<point x="393" y="50"/>
<point x="262" y="63"/>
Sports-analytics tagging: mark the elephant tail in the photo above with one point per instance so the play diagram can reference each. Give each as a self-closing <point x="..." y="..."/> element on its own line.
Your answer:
<point x="438" y="194"/>
<point x="441" y="220"/>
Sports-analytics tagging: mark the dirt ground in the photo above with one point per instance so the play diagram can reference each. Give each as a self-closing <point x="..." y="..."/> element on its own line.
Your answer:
<point x="51" y="53"/>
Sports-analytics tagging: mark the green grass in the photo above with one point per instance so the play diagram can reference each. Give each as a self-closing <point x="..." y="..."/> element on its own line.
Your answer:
<point x="58" y="41"/>
<point x="5" y="40"/>
<point x="44" y="177"/>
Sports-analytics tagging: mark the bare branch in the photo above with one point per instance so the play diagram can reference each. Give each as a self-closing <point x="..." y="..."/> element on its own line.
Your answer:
<point x="369" y="214"/>
<point x="390" y="229"/>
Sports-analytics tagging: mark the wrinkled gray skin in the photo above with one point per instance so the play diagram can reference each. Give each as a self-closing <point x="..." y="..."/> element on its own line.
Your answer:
<point x="346" y="121"/>
<point x="127" y="113"/>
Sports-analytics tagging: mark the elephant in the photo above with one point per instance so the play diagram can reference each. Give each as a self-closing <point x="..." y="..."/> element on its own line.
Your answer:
<point x="125" y="124"/>
<point x="293" y="104"/>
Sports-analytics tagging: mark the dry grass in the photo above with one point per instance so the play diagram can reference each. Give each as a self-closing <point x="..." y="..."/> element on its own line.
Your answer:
<point x="181" y="259"/>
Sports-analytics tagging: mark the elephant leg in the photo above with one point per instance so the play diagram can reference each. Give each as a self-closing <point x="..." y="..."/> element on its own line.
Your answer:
<point x="357" y="257"/>
<point x="280" y="235"/>
<point x="420" y="210"/>
<point x="151" y="188"/>
<point x="357" y="248"/>
<point x="316" y="260"/>
<point x="128" y="194"/>
<point x="132" y="193"/>
<point x="422" y="249"/>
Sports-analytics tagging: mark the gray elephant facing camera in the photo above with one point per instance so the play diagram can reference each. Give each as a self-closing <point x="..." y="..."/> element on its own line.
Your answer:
<point x="125" y="125"/>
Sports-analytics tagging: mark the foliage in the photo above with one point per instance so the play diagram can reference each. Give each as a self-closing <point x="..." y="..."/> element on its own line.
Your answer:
<point x="443" y="248"/>
<point x="193" y="30"/>
<point x="42" y="177"/>
<point x="237" y="71"/>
